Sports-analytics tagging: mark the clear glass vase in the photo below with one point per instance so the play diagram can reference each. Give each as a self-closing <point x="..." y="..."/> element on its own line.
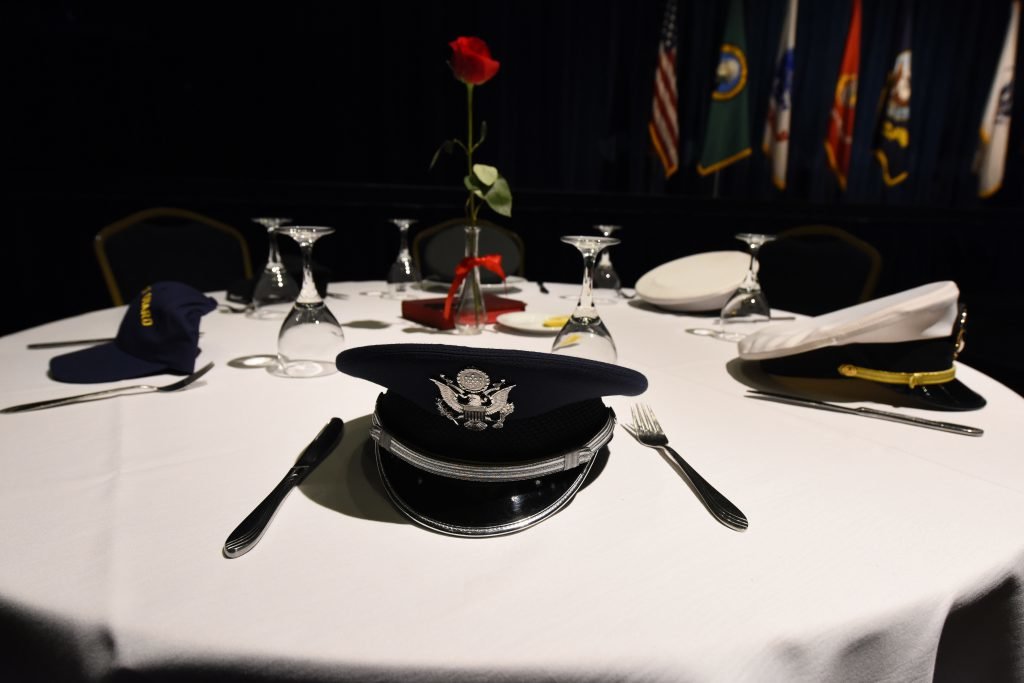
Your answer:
<point x="470" y="312"/>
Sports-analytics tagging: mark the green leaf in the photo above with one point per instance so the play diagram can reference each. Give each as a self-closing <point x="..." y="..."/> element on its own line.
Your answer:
<point x="445" y="147"/>
<point x="483" y="134"/>
<point x="473" y="186"/>
<point x="499" y="197"/>
<point x="487" y="175"/>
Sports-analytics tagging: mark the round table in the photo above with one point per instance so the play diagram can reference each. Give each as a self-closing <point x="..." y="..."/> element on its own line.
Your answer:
<point x="876" y="551"/>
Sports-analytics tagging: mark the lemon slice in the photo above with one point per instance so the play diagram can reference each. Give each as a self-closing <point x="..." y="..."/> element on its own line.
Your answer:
<point x="571" y="340"/>
<point x="556" y="321"/>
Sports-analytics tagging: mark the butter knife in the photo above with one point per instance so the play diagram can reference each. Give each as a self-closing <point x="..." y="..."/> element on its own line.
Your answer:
<point x="71" y="342"/>
<point x="940" y="425"/>
<point x="252" y="528"/>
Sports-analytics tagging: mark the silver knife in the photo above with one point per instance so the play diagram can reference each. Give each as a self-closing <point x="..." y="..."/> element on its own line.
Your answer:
<point x="252" y="528"/>
<point x="867" y="412"/>
<point x="73" y="342"/>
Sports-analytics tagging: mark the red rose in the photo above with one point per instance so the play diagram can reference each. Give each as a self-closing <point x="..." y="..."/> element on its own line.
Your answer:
<point x="471" y="61"/>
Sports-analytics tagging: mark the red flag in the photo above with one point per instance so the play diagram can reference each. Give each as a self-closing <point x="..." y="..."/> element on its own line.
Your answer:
<point x="839" y="142"/>
<point x="664" y="124"/>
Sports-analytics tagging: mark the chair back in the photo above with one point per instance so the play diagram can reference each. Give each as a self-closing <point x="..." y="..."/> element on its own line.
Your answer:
<point x="815" y="269"/>
<point x="439" y="248"/>
<point x="170" y="244"/>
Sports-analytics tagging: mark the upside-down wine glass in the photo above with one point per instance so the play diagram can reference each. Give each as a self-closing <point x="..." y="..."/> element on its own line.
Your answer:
<point x="605" y="276"/>
<point x="403" y="275"/>
<point x="274" y="285"/>
<point x="748" y="303"/>
<point x="311" y="337"/>
<point x="585" y="334"/>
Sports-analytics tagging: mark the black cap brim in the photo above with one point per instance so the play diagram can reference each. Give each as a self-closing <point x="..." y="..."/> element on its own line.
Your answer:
<point x="950" y="396"/>
<point x="477" y="509"/>
<point x="953" y="395"/>
<point x="103" y="363"/>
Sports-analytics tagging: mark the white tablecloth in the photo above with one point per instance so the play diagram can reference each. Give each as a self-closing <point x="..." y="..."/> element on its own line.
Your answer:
<point x="876" y="551"/>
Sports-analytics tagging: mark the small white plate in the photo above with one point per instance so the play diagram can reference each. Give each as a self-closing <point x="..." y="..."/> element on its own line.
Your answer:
<point x="699" y="282"/>
<point x="524" y="321"/>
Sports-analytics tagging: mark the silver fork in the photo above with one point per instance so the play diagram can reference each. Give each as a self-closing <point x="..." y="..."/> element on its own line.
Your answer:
<point x="108" y="393"/>
<point x="648" y="431"/>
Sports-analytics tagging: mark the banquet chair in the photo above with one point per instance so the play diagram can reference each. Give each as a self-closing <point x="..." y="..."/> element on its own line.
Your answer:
<point x="170" y="244"/>
<point x="439" y="248"/>
<point x="815" y="269"/>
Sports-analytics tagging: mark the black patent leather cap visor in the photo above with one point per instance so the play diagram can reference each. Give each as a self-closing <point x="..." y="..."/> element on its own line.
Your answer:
<point x="952" y="395"/>
<point x="477" y="509"/>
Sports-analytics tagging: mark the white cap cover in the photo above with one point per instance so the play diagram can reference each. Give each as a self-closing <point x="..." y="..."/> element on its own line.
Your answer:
<point x="925" y="312"/>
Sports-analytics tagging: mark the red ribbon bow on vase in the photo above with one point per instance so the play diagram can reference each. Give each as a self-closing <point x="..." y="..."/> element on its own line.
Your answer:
<point x="491" y="262"/>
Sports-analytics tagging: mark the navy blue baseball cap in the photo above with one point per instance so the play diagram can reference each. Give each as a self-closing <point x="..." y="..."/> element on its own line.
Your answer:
<point x="158" y="334"/>
<point x="483" y="442"/>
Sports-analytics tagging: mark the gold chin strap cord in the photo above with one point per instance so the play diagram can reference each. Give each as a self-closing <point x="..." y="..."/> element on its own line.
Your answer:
<point x="911" y="379"/>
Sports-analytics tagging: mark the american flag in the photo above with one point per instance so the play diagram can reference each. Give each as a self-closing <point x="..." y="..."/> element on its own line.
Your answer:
<point x="664" y="125"/>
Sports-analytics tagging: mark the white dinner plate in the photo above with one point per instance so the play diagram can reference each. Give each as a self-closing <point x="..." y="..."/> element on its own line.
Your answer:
<point x="513" y="282"/>
<point x="699" y="282"/>
<point x="524" y="321"/>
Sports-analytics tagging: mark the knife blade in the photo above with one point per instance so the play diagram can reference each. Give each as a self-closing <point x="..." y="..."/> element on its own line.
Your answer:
<point x="71" y="342"/>
<point x="940" y="425"/>
<point x="252" y="528"/>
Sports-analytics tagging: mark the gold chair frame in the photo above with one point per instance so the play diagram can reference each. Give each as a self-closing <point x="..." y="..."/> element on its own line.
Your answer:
<point x="99" y="244"/>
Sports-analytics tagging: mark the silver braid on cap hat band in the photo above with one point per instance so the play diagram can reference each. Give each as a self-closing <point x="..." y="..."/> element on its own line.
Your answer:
<point x="494" y="473"/>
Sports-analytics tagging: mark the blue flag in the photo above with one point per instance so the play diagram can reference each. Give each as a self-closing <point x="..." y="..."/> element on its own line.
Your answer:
<point x="775" y="142"/>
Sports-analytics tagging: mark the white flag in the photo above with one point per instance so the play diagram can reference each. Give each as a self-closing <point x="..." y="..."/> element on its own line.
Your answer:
<point x="776" y="127"/>
<point x="994" y="132"/>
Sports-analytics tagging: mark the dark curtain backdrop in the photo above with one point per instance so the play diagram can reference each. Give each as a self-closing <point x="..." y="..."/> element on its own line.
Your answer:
<point x="360" y="93"/>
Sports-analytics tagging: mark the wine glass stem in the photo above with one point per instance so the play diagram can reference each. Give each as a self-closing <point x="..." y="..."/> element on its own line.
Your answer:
<point x="274" y="258"/>
<point x="585" y="306"/>
<point x="750" y="281"/>
<point x="403" y="240"/>
<point x="309" y="294"/>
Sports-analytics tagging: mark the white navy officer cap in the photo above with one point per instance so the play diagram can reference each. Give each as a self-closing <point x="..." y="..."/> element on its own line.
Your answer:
<point x="905" y="344"/>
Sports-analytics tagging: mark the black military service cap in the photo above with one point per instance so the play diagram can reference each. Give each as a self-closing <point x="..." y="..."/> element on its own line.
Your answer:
<point x="483" y="442"/>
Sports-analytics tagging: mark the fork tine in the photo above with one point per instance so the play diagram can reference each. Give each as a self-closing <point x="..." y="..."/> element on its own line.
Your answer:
<point x="636" y="418"/>
<point x="655" y="425"/>
<point x="653" y="419"/>
<point x="641" y="418"/>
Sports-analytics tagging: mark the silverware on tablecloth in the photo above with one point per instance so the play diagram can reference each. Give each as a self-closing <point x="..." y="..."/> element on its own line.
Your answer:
<point x="648" y="431"/>
<point x="71" y="342"/>
<point x="252" y="528"/>
<point x="867" y="412"/>
<point x="109" y="393"/>
<point x="741" y="321"/>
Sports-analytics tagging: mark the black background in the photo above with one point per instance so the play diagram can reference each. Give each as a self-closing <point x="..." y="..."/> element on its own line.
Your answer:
<point x="330" y="113"/>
